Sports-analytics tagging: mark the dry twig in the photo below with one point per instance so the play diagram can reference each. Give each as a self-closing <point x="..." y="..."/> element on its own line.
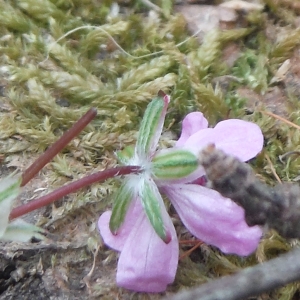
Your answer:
<point x="248" y="282"/>
<point x="277" y="207"/>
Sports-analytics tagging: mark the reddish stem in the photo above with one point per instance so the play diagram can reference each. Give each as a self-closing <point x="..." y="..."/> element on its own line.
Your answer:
<point x="30" y="172"/>
<point x="71" y="188"/>
<point x="187" y="253"/>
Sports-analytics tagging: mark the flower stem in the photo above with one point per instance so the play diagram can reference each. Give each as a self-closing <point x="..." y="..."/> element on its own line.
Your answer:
<point x="187" y="253"/>
<point x="71" y="188"/>
<point x="30" y="172"/>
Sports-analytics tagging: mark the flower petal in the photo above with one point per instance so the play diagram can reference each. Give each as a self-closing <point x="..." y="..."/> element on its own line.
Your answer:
<point x="146" y="263"/>
<point x="192" y="123"/>
<point x="239" y="138"/>
<point x="213" y="219"/>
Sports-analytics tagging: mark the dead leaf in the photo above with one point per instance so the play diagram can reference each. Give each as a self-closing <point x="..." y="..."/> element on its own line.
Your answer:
<point x="204" y="18"/>
<point x="239" y="5"/>
<point x="281" y="72"/>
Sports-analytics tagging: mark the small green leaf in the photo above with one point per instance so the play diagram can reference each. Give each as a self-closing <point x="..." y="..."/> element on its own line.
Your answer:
<point x="151" y="127"/>
<point x="9" y="190"/>
<point x="150" y="200"/>
<point x="122" y="201"/>
<point x="21" y="231"/>
<point x="174" y="164"/>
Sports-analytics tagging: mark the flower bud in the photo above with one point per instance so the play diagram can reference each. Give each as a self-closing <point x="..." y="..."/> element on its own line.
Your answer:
<point x="125" y="155"/>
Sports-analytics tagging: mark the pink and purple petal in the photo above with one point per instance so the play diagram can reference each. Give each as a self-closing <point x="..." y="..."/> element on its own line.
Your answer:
<point x="215" y="220"/>
<point x="146" y="263"/>
<point x="239" y="138"/>
<point x="192" y="123"/>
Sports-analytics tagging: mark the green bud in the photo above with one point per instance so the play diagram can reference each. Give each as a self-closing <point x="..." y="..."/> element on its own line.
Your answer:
<point x="125" y="155"/>
<point x="174" y="164"/>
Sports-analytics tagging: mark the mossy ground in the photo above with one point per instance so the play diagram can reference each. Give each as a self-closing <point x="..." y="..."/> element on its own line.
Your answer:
<point x="46" y="86"/>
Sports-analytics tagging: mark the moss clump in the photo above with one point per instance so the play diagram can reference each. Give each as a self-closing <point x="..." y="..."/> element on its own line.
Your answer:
<point x="84" y="54"/>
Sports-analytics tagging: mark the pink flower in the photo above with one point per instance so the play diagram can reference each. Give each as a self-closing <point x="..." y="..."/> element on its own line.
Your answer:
<point x="148" y="244"/>
<point x="206" y="214"/>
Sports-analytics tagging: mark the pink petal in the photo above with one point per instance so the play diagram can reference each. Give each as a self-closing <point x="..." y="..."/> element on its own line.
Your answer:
<point x="235" y="137"/>
<point x="117" y="241"/>
<point x="192" y="123"/>
<point x="215" y="220"/>
<point x="239" y="138"/>
<point x="146" y="263"/>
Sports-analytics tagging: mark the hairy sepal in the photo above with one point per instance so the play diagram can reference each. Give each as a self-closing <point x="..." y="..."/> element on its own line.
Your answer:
<point x="173" y="164"/>
<point x="122" y="201"/>
<point x="154" y="208"/>
<point x="151" y="127"/>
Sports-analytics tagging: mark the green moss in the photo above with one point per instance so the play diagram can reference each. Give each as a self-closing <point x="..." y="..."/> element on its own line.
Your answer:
<point x="117" y="63"/>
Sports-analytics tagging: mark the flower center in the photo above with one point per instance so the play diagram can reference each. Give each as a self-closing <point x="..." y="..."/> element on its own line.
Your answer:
<point x="200" y="181"/>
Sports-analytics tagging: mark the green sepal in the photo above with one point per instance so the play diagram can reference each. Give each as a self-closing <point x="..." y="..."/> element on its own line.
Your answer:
<point x="174" y="164"/>
<point x="150" y="197"/>
<point x="125" y="155"/>
<point x="151" y="127"/>
<point x="122" y="200"/>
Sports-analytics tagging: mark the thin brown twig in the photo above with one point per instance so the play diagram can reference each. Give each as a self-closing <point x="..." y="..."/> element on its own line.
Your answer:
<point x="248" y="282"/>
<point x="187" y="253"/>
<point x="87" y="278"/>
<point x="272" y="168"/>
<point x="268" y="113"/>
<point x="287" y="154"/>
<point x="277" y="207"/>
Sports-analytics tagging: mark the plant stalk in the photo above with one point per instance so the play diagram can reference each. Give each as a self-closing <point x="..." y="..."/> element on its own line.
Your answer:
<point x="71" y="188"/>
<point x="54" y="149"/>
